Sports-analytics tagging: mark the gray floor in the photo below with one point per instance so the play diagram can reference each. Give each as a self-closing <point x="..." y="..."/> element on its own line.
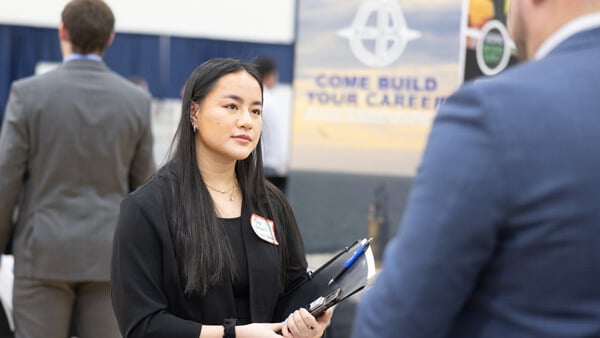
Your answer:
<point x="333" y="209"/>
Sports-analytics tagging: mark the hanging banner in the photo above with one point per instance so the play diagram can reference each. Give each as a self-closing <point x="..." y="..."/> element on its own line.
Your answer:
<point x="369" y="77"/>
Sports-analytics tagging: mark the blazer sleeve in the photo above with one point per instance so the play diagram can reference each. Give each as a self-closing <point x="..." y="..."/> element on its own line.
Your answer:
<point x="449" y="229"/>
<point x="14" y="150"/>
<point x="140" y="304"/>
<point x="142" y="165"/>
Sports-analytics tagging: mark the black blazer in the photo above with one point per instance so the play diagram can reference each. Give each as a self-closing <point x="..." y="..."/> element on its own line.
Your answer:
<point x="147" y="288"/>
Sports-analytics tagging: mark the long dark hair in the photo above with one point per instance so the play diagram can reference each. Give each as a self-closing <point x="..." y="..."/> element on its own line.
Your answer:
<point x="203" y="252"/>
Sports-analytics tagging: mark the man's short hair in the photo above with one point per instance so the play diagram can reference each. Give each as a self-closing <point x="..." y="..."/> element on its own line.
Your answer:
<point x="265" y="66"/>
<point x="89" y="24"/>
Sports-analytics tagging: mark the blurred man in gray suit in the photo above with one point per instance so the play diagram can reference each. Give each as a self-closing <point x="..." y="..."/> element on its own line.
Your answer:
<point x="76" y="140"/>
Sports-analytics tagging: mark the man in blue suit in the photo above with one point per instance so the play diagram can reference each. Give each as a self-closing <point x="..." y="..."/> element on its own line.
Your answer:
<point x="501" y="234"/>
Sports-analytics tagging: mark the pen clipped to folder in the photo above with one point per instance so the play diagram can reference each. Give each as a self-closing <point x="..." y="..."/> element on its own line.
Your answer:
<point x="350" y="269"/>
<point x="364" y="245"/>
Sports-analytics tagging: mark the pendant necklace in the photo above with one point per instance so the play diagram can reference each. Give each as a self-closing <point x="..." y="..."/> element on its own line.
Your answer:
<point x="230" y="190"/>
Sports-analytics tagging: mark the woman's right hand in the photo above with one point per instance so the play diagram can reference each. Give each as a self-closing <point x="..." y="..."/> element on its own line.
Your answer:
<point x="258" y="330"/>
<point x="301" y="324"/>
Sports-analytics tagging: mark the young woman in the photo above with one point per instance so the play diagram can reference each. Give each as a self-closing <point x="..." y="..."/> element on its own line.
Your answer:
<point x="207" y="246"/>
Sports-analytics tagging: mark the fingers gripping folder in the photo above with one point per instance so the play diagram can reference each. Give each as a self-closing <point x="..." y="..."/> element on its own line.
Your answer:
<point x="340" y="277"/>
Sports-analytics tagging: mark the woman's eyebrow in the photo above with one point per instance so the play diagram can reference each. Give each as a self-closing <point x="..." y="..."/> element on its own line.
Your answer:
<point x="241" y="100"/>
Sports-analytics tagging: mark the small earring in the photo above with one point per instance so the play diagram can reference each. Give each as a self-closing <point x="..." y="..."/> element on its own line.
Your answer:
<point x="195" y="128"/>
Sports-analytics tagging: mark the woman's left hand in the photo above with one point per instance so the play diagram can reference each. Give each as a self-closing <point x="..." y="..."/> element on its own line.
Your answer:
<point x="301" y="324"/>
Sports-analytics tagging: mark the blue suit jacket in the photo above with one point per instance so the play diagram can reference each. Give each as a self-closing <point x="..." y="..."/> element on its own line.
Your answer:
<point x="501" y="233"/>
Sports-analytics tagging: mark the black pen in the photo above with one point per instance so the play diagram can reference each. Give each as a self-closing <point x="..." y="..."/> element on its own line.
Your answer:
<point x="364" y="245"/>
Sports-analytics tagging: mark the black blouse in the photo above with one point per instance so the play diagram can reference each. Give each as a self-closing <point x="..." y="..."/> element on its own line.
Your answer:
<point x="240" y="284"/>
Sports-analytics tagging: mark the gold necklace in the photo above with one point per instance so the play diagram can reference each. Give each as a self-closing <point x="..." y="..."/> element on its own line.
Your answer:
<point x="230" y="190"/>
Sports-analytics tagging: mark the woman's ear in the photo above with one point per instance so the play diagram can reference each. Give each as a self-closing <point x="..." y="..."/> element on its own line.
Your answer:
<point x="194" y="109"/>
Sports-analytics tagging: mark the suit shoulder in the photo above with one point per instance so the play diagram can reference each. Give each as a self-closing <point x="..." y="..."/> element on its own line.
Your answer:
<point x="517" y="87"/>
<point x="519" y="77"/>
<point x="35" y="88"/>
<point x="125" y="86"/>
<point x="37" y="80"/>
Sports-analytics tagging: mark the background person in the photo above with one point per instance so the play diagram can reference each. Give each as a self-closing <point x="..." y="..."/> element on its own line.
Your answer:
<point x="276" y="126"/>
<point x="208" y="239"/>
<point x="76" y="139"/>
<point x="501" y="234"/>
<point x="140" y="82"/>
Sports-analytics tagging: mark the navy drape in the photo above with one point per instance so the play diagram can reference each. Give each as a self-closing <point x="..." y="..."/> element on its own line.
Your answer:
<point x="163" y="61"/>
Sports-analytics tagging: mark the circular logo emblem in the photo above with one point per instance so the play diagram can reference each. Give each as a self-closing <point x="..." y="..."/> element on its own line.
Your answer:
<point x="493" y="48"/>
<point x="379" y="33"/>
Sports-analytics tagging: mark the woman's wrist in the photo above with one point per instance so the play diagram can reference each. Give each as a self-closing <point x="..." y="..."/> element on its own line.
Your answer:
<point x="229" y="328"/>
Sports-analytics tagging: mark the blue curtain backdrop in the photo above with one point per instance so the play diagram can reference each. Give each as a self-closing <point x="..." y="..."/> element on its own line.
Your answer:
<point x="163" y="61"/>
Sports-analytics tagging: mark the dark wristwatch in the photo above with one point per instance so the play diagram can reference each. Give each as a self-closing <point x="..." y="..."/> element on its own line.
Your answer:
<point x="229" y="328"/>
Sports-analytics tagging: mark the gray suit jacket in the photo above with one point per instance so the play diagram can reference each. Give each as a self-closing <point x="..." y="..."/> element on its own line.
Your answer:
<point x="501" y="234"/>
<point x="74" y="142"/>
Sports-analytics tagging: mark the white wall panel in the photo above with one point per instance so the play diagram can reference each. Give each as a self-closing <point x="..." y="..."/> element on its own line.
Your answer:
<point x="269" y="21"/>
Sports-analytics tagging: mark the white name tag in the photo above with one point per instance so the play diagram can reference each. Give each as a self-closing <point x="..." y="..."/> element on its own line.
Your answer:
<point x="264" y="228"/>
